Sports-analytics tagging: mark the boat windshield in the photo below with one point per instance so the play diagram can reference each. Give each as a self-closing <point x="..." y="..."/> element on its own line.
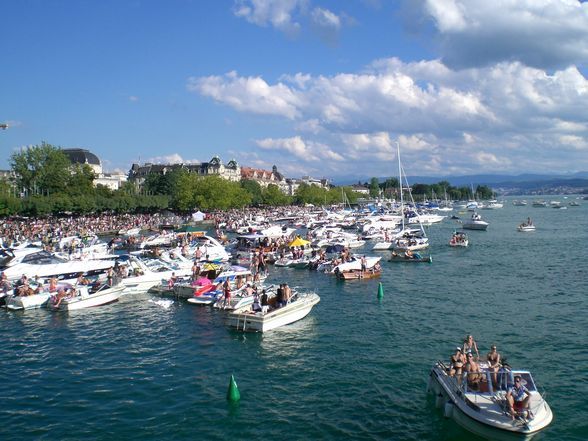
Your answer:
<point x="505" y="380"/>
<point x="42" y="258"/>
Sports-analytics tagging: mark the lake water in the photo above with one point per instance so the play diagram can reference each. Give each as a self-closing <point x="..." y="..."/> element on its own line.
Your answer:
<point x="356" y="367"/>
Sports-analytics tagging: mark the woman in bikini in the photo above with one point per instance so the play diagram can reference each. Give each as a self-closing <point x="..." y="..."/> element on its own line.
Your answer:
<point x="457" y="363"/>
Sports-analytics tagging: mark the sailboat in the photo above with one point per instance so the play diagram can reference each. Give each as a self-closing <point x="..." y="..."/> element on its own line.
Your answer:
<point x="405" y="247"/>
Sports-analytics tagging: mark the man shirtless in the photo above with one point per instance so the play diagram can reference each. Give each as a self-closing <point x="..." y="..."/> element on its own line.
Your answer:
<point x="475" y="375"/>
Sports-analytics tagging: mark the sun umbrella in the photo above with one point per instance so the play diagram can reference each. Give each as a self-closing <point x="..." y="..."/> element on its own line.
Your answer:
<point x="298" y="242"/>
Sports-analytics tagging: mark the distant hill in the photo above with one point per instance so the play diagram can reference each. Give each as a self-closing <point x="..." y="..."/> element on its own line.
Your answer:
<point x="527" y="180"/>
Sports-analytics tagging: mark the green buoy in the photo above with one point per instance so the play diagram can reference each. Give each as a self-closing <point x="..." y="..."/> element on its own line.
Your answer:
<point x="233" y="392"/>
<point x="380" y="291"/>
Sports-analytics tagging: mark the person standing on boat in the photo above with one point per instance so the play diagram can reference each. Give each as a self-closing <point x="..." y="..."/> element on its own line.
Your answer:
<point x="363" y="266"/>
<point x="5" y="286"/>
<point x="469" y="345"/>
<point x="227" y="293"/>
<point x="494" y="365"/>
<point x="518" y="398"/>
<point x="280" y="296"/>
<point x="261" y="264"/>
<point x="287" y="294"/>
<point x="264" y="302"/>
<point x="256" y="305"/>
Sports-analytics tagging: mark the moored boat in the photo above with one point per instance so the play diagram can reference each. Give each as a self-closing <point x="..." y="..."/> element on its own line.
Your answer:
<point x="459" y="239"/>
<point x="84" y="297"/>
<point x="475" y="223"/>
<point x="355" y="274"/>
<point x="526" y="226"/>
<point x="409" y="257"/>
<point x="300" y="305"/>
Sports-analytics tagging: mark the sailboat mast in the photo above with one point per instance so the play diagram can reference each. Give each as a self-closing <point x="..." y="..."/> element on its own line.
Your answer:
<point x="400" y="184"/>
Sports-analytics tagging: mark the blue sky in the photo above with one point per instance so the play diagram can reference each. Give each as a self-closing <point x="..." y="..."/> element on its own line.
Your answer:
<point x="320" y="88"/>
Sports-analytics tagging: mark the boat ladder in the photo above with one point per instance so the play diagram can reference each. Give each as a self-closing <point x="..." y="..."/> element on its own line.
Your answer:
<point x="244" y="321"/>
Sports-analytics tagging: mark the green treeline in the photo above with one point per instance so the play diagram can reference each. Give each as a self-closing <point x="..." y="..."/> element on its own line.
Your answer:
<point x="46" y="182"/>
<point x="389" y="188"/>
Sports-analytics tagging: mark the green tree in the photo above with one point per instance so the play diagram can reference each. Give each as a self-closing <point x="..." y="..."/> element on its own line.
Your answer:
<point x="81" y="180"/>
<point x="254" y="189"/>
<point x="374" y="187"/>
<point x="41" y="169"/>
<point x="310" y="194"/>
<point x="273" y="196"/>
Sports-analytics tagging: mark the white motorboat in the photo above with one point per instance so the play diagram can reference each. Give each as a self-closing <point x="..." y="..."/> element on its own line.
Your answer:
<point x="482" y="407"/>
<point x="244" y="319"/>
<point x="493" y="205"/>
<point x="142" y="277"/>
<point x="412" y="243"/>
<point x="518" y="203"/>
<point x="289" y="262"/>
<point x="459" y="239"/>
<point x="37" y="300"/>
<point x="208" y="298"/>
<point x="46" y="265"/>
<point x="84" y="297"/>
<point x="27" y="302"/>
<point x="475" y="223"/>
<point x="526" y="228"/>
<point x="355" y="264"/>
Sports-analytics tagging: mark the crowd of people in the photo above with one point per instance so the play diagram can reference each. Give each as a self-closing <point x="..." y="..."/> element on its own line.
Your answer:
<point x="51" y="229"/>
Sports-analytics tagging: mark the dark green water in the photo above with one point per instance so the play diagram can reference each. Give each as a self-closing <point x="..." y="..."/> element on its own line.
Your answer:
<point x="355" y="368"/>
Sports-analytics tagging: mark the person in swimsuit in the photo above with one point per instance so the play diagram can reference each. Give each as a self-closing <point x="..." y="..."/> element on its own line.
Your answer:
<point x="457" y="362"/>
<point x="469" y="345"/>
<point x="494" y="365"/>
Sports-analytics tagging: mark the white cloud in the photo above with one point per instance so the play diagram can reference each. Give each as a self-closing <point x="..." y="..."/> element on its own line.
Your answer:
<point x="439" y="115"/>
<point x="174" y="158"/>
<point x="300" y="149"/>
<point x="275" y="13"/>
<point x="324" y="18"/>
<point x="290" y="16"/>
<point x="539" y="33"/>
<point x="251" y="94"/>
<point x="133" y="98"/>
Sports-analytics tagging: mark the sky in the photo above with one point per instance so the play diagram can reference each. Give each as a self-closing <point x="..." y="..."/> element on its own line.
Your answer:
<point x="320" y="88"/>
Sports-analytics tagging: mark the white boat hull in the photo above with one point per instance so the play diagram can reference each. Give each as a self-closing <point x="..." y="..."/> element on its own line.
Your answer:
<point x="103" y="297"/>
<point x="246" y="320"/>
<point x="28" y="302"/>
<point x="475" y="225"/>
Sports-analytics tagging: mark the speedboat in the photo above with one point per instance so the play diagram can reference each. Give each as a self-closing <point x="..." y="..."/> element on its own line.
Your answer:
<point x="46" y="265"/>
<point x="482" y="407"/>
<point x="525" y="227"/>
<point x="459" y="239"/>
<point x="300" y="305"/>
<point x="36" y="300"/>
<point x="85" y="297"/>
<point x="409" y="257"/>
<point x="475" y="223"/>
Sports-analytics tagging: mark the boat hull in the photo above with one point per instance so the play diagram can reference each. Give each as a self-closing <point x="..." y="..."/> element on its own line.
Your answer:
<point x="28" y="302"/>
<point x="104" y="297"/>
<point x="248" y="321"/>
<point x="357" y="275"/>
